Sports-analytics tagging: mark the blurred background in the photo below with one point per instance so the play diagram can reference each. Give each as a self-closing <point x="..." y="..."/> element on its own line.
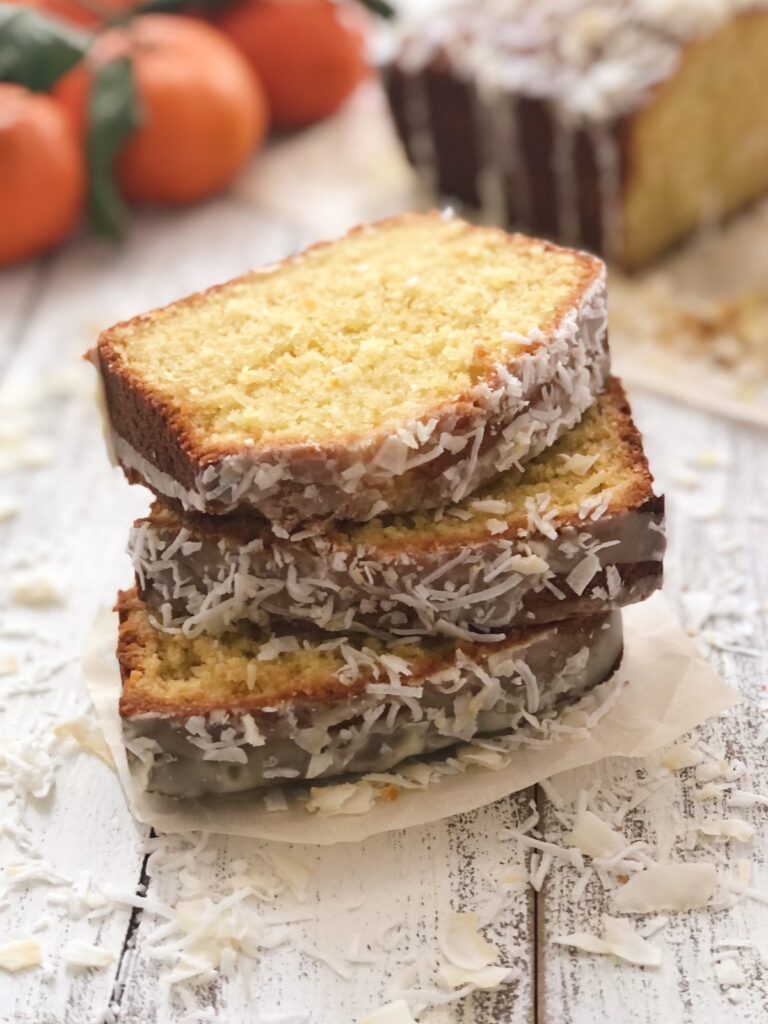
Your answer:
<point x="201" y="138"/>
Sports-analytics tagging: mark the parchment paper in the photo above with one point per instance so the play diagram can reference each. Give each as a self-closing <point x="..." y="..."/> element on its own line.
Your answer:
<point x="695" y="327"/>
<point x="666" y="688"/>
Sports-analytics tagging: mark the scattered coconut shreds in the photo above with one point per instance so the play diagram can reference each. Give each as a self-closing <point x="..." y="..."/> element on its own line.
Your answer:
<point x="20" y="955"/>
<point x="36" y="589"/>
<point x="393" y="1013"/>
<point x="667" y="887"/>
<point x="87" y="734"/>
<point x="681" y="756"/>
<point x="595" y="838"/>
<point x="619" y="939"/>
<point x="82" y="956"/>
<point x="727" y="828"/>
<point x="463" y="945"/>
<point x="486" y="978"/>
<point x="295" y="875"/>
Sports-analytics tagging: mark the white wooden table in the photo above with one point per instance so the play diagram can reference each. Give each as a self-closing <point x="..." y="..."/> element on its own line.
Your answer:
<point x="392" y="891"/>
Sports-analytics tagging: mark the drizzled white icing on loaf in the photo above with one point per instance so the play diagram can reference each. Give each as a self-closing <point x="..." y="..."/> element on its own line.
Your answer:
<point x="229" y="752"/>
<point x="593" y="59"/>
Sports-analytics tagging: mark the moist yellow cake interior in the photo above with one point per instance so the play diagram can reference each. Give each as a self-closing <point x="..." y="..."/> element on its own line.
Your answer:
<point x="206" y="670"/>
<point x="700" y="148"/>
<point x="374" y="329"/>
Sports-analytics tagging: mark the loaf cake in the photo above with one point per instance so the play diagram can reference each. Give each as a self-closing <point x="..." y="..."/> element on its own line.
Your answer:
<point x="249" y="709"/>
<point x="396" y="369"/>
<point x="577" y="531"/>
<point x="617" y="125"/>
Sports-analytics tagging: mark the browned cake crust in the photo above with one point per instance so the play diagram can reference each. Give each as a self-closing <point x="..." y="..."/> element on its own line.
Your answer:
<point x="203" y="574"/>
<point x="456" y="446"/>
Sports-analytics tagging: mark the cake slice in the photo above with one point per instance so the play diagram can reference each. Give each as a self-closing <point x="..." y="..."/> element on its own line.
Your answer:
<point x="397" y="368"/>
<point x="578" y="531"/>
<point x="252" y="709"/>
<point x="619" y="125"/>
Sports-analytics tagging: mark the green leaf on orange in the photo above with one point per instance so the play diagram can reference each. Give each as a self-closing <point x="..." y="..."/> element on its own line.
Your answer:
<point x="114" y="113"/>
<point x="379" y="7"/>
<point x="36" y="50"/>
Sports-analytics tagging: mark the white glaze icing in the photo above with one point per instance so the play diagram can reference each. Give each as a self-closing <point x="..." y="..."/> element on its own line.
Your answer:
<point x="227" y="752"/>
<point x="200" y="583"/>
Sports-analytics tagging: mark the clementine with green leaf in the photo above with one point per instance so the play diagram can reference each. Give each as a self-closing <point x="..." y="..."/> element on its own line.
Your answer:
<point x="201" y="109"/>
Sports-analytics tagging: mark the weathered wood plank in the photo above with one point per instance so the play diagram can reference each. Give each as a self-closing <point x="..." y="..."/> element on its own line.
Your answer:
<point x="401" y="885"/>
<point x="712" y="535"/>
<point x="69" y="531"/>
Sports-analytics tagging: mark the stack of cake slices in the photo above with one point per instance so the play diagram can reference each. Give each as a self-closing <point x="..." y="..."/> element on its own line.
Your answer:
<point x="400" y="502"/>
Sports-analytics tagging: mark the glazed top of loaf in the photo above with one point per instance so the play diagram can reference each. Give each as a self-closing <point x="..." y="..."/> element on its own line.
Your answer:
<point x="594" y="59"/>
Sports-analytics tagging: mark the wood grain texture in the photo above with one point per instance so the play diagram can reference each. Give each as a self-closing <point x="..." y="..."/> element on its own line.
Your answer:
<point x="715" y="536"/>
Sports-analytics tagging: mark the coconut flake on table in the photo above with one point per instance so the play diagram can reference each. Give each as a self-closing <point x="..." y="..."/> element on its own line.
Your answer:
<point x="20" y="954"/>
<point x="727" y="828"/>
<point x="489" y="977"/>
<point x="728" y="973"/>
<point x="38" y="588"/>
<point x="593" y="837"/>
<point x="392" y="1013"/>
<point x="86" y="732"/>
<point x="462" y="944"/>
<point x="619" y="939"/>
<point x="667" y="887"/>
<point x="28" y="766"/>
<point x="295" y="875"/>
<point x="80" y="955"/>
<point x="681" y="756"/>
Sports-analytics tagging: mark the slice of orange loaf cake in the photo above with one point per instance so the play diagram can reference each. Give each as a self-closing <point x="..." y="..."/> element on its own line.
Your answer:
<point x="251" y="708"/>
<point x="577" y="531"/>
<point x="398" y="368"/>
